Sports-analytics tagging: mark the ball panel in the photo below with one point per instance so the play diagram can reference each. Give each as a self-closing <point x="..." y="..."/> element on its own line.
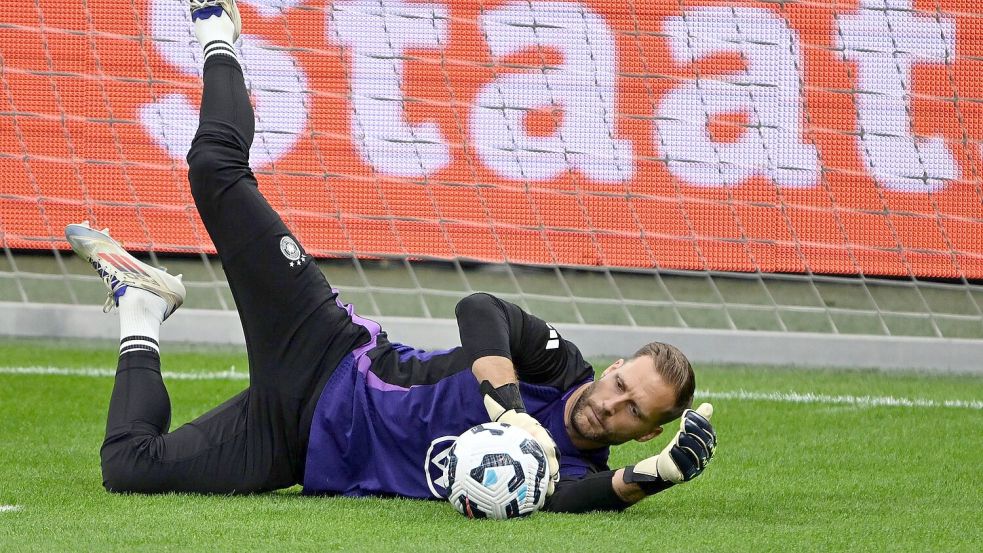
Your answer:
<point x="496" y="471"/>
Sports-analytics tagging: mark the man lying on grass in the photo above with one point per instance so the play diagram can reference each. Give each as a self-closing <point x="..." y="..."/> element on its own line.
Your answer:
<point x="333" y="404"/>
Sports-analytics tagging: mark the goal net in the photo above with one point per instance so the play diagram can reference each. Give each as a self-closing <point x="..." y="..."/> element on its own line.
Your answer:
<point x="794" y="167"/>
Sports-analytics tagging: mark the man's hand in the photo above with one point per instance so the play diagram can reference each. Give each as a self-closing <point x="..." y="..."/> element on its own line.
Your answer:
<point x="683" y="459"/>
<point x="504" y="404"/>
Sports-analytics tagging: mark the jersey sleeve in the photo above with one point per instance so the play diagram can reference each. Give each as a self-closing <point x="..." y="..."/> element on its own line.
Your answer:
<point x="591" y="493"/>
<point x="492" y="326"/>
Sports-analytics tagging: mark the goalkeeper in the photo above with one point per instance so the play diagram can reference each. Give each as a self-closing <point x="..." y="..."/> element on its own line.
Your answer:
<point x="332" y="404"/>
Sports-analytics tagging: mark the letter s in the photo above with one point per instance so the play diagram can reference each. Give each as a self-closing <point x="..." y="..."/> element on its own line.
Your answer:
<point x="277" y="82"/>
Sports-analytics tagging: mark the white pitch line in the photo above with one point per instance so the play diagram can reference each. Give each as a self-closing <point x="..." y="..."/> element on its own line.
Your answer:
<point x="10" y="508"/>
<point x="109" y="373"/>
<point x="743" y="395"/>
<point x="859" y="401"/>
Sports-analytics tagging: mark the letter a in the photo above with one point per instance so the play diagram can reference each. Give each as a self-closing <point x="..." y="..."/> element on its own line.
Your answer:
<point x="767" y="93"/>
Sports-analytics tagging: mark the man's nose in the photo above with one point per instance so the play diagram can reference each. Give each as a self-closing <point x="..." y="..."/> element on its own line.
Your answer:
<point x="610" y="405"/>
<point x="607" y="406"/>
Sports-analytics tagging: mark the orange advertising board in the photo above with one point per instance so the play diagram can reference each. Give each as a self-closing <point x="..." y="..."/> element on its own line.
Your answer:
<point x="826" y="137"/>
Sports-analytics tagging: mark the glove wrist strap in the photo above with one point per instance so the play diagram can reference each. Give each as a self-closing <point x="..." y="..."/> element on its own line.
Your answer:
<point x="507" y="396"/>
<point x="648" y="483"/>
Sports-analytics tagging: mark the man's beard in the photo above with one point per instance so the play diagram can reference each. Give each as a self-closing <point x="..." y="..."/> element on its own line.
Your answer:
<point x="579" y="417"/>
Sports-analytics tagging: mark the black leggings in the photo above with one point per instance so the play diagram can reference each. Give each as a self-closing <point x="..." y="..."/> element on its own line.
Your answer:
<point x="296" y="334"/>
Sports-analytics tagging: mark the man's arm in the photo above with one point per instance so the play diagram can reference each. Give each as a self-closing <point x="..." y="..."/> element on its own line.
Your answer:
<point x="504" y="342"/>
<point x="497" y="370"/>
<point x="601" y="491"/>
<point x="531" y="350"/>
<point x="486" y="336"/>
<point x="494" y="334"/>
<point x="682" y="460"/>
<point x="631" y="493"/>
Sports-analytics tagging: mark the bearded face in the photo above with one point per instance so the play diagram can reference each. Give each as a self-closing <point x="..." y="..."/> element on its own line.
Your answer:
<point x="626" y="403"/>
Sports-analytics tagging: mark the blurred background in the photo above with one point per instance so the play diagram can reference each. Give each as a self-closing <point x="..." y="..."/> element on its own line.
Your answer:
<point x="791" y="183"/>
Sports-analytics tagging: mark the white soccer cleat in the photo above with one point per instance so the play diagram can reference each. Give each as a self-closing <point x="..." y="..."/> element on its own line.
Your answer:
<point x="203" y="9"/>
<point x="120" y="270"/>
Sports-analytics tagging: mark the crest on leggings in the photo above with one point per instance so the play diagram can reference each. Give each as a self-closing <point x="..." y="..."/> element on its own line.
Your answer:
<point x="290" y="250"/>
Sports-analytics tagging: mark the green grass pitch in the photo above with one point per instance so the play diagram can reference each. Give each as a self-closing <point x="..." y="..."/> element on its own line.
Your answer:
<point x="819" y="474"/>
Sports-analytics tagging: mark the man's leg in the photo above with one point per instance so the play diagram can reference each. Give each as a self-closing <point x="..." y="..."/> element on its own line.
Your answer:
<point x="230" y="449"/>
<point x="296" y="333"/>
<point x="212" y="454"/>
<point x="289" y="313"/>
<point x="139" y="408"/>
<point x="255" y="441"/>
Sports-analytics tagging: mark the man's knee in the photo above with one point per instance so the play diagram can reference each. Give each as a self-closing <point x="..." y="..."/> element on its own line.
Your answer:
<point x="202" y="163"/>
<point x="119" y="481"/>
<point x="119" y="478"/>
<point x="213" y="166"/>
<point x="121" y="467"/>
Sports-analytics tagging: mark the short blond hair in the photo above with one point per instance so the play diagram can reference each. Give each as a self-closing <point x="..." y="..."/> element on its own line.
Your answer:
<point x="676" y="370"/>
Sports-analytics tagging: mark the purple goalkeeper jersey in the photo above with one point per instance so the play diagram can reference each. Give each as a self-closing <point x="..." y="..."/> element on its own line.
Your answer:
<point x="389" y="413"/>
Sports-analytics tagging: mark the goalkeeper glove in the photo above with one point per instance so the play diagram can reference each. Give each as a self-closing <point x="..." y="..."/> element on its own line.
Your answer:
<point x="504" y="404"/>
<point x="683" y="459"/>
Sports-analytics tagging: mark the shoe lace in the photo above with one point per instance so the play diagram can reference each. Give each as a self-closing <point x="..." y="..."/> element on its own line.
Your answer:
<point x="199" y="4"/>
<point x="112" y="282"/>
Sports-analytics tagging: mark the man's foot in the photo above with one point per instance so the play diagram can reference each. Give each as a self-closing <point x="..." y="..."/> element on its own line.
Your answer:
<point x="121" y="270"/>
<point x="202" y="10"/>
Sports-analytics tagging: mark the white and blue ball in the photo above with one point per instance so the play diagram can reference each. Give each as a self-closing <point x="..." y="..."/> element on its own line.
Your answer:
<point x="496" y="470"/>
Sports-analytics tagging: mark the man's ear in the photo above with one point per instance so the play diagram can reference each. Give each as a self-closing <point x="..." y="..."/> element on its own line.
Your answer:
<point x="612" y="366"/>
<point x="655" y="432"/>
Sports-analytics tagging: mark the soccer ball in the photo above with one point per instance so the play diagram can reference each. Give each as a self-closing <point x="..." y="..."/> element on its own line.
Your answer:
<point x="496" y="470"/>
